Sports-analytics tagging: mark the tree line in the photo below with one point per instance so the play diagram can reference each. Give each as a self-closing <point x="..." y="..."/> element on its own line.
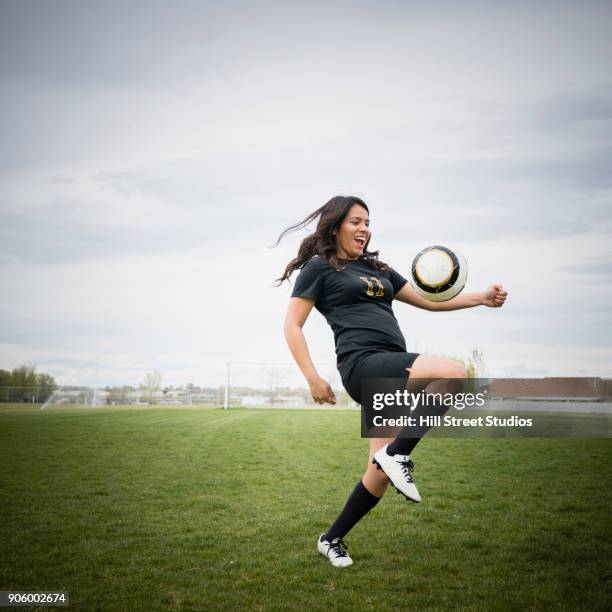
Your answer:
<point x="25" y="384"/>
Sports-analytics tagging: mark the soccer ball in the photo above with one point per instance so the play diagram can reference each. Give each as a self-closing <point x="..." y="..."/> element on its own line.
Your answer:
<point x="438" y="274"/>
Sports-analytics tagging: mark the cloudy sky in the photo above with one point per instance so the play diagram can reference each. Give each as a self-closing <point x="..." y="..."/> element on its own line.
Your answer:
<point x="152" y="151"/>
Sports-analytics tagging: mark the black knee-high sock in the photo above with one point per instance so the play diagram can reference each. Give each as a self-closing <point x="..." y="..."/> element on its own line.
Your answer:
<point x="359" y="503"/>
<point x="403" y="445"/>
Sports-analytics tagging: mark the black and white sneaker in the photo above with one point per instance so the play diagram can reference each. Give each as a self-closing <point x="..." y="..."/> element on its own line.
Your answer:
<point x="398" y="468"/>
<point x="335" y="551"/>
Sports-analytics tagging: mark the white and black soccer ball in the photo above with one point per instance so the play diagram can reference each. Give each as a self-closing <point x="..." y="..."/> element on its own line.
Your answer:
<point x="438" y="273"/>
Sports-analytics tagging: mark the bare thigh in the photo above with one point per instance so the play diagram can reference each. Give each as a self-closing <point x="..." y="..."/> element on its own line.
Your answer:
<point x="427" y="369"/>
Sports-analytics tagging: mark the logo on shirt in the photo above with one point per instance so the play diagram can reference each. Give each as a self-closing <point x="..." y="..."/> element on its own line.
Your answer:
<point x="380" y="290"/>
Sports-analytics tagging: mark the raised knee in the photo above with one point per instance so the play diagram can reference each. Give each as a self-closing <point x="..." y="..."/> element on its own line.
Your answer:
<point x="456" y="369"/>
<point x="435" y="368"/>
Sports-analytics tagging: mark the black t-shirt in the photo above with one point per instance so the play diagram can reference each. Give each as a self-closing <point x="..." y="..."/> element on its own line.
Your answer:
<point x="356" y="302"/>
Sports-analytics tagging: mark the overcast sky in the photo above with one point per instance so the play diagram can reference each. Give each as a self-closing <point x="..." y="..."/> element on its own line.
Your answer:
<point x="152" y="151"/>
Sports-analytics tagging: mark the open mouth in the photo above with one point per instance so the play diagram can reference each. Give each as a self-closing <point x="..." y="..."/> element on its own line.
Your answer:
<point x="360" y="241"/>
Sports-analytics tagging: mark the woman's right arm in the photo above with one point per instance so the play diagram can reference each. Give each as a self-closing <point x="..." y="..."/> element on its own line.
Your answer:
<point x="297" y="313"/>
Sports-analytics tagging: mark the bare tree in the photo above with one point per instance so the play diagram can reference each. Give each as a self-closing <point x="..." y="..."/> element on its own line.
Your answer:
<point x="151" y="384"/>
<point x="275" y="377"/>
<point x="476" y="370"/>
<point x="476" y="364"/>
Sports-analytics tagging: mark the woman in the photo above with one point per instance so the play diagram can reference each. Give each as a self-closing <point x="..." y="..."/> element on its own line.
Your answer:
<point x="353" y="289"/>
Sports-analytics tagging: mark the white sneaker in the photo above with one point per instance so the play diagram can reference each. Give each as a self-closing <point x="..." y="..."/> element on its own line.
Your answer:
<point x="334" y="551"/>
<point x="398" y="468"/>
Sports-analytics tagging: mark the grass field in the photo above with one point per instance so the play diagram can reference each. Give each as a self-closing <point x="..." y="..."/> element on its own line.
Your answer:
<point x="195" y="509"/>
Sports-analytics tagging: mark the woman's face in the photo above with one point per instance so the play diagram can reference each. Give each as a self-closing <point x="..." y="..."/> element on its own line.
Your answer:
<point x="353" y="234"/>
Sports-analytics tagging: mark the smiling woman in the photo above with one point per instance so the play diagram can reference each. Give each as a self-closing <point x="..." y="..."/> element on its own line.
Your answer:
<point x="354" y="290"/>
<point x="354" y="233"/>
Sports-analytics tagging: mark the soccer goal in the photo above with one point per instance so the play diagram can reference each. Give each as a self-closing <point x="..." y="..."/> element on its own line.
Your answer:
<point x="77" y="396"/>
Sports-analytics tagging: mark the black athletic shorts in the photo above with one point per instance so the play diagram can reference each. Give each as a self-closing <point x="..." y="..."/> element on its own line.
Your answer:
<point x="378" y="365"/>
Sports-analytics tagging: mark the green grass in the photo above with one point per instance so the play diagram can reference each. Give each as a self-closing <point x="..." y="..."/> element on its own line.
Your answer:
<point x="177" y="508"/>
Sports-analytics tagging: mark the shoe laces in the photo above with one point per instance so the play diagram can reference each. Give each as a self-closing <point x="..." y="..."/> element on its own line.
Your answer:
<point x="407" y="467"/>
<point x="338" y="547"/>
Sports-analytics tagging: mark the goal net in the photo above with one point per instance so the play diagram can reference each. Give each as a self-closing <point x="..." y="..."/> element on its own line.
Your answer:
<point x="77" y="396"/>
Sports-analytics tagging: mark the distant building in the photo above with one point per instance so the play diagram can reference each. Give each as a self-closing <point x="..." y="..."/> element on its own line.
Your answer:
<point x="254" y="400"/>
<point x="584" y="388"/>
<point x="291" y="401"/>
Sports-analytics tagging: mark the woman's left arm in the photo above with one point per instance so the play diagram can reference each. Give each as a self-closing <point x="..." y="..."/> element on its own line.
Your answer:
<point x="494" y="297"/>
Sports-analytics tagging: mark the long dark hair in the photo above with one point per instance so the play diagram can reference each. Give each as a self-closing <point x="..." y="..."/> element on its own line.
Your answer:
<point x="321" y="242"/>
